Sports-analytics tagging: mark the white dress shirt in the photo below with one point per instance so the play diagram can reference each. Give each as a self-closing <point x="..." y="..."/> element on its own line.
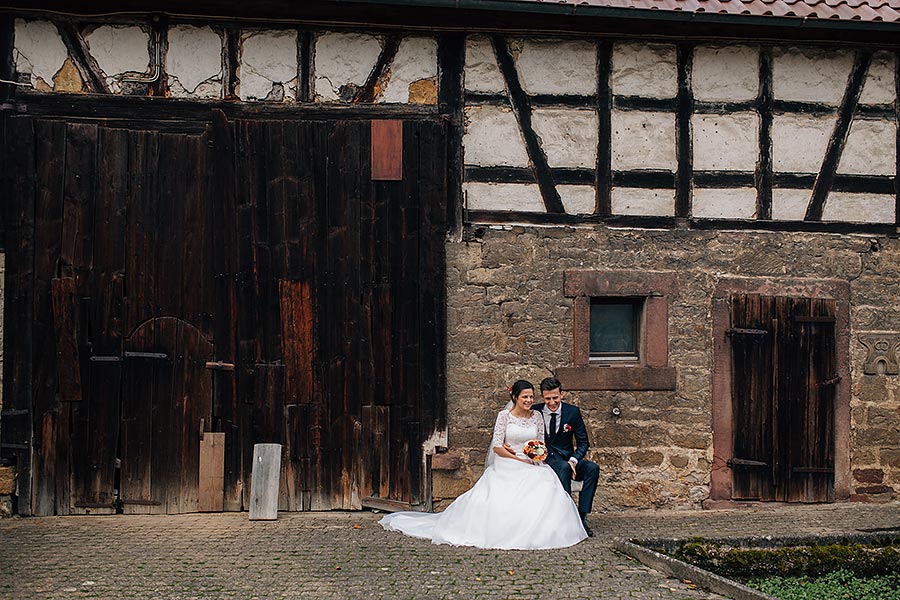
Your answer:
<point x="546" y="412"/>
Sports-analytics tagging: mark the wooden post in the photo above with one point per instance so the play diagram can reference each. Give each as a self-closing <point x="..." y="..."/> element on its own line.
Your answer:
<point x="264" y="482"/>
<point x="212" y="472"/>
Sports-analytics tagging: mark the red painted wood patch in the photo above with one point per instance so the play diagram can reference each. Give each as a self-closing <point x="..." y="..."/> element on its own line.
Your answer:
<point x="387" y="150"/>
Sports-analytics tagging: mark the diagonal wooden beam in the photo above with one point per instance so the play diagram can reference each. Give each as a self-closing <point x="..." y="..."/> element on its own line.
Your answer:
<point x="835" y="148"/>
<point x="368" y="92"/>
<point x="85" y="64"/>
<point x="522" y="109"/>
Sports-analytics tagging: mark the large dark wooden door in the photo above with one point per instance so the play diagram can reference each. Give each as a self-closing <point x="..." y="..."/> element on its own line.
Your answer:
<point x="242" y="277"/>
<point x="783" y="398"/>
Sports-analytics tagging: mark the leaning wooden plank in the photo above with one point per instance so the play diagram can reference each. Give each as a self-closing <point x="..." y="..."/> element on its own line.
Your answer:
<point x="264" y="482"/>
<point x="212" y="472"/>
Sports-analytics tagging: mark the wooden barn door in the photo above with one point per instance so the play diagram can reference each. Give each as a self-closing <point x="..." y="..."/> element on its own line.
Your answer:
<point x="783" y="398"/>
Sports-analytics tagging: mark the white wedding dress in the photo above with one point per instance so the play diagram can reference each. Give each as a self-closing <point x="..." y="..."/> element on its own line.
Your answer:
<point x="514" y="505"/>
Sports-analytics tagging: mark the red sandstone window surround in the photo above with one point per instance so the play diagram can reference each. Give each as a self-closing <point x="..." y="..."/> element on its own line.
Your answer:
<point x="646" y="366"/>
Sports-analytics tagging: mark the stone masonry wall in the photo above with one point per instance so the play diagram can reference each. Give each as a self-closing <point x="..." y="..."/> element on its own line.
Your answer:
<point x="508" y="318"/>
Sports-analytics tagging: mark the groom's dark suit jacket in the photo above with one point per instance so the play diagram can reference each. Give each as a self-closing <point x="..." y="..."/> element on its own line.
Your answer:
<point x="567" y="444"/>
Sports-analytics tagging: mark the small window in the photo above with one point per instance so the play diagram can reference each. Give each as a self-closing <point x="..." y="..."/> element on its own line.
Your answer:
<point x="615" y="329"/>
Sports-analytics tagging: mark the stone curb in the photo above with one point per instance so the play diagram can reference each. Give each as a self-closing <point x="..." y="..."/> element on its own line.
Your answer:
<point x="682" y="570"/>
<point x="768" y="541"/>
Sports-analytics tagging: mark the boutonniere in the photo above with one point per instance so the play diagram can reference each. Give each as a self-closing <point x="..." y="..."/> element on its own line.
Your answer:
<point x="567" y="428"/>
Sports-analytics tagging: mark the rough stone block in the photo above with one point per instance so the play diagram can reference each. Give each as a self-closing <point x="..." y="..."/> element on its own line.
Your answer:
<point x="725" y="142"/>
<point x="503" y="196"/>
<point x="725" y="73"/>
<point x="646" y="458"/>
<point x="7" y="481"/>
<point x="194" y="62"/>
<point x="415" y="63"/>
<point x="859" y="208"/>
<point x="678" y="461"/>
<point x="643" y="140"/>
<point x="482" y="73"/>
<point x="870" y="148"/>
<point x="875" y="489"/>
<point x="343" y="62"/>
<point x="268" y="67"/>
<point x="879" y="87"/>
<point x="447" y="461"/>
<point x="568" y="136"/>
<point x="558" y="66"/>
<point x="119" y="50"/>
<point x="38" y="50"/>
<point x="890" y="457"/>
<point x="810" y="74"/>
<point x="799" y="142"/>
<point x="868" y="475"/>
<point x="647" y="70"/>
<point x="713" y="203"/>
<point x="492" y="138"/>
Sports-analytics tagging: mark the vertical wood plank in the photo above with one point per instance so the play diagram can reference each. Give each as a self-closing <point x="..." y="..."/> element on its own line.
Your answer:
<point x="212" y="473"/>
<point x="387" y="150"/>
<point x="264" y="482"/>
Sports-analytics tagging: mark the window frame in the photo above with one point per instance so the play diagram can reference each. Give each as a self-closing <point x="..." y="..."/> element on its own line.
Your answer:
<point x="637" y="303"/>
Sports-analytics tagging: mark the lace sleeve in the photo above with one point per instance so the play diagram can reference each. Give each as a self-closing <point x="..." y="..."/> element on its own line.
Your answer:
<point x="500" y="429"/>
<point x="538" y="419"/>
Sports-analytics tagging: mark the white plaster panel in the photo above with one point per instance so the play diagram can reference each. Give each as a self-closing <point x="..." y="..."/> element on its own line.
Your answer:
<point x="194" y="56"/>
<point x="119" y="50"/>
<point x="859" y="208"/>
<point x="725" y="142"/>
<point x="482" y="73"/>
<point x="634" y="201"/>
<point x="871" y="148"/>
<point x="737" y="203"/>
<point x="518" y="197"/>
<point x="416" y="59"/>
<point x="729" y="73"/>
<point x="343" y="59"/>
<point x="492" y="138"/>
<point x="647" y="70"/>
<point x="578" y="199"/>
<point x="643" y="140"/>
<point x="799" y="142"/>
<point x="879" y="87"/>
<point x="810" y="74"/>
<point x="568" y="136"/>
<point x="558" y="67"/>
<point x="789" y="205"/>
<point x="268" y="60"/>
<point x="38" y="50"/>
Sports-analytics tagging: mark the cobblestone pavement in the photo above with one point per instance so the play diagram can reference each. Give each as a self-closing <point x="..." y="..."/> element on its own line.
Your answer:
<point x="348" y="556"/>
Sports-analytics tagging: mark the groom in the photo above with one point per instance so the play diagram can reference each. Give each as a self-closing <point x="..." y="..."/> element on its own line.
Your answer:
<point x="562" y="424"/>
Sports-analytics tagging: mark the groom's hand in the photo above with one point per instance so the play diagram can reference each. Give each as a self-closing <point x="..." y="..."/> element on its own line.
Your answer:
<point x="574" y="473"/>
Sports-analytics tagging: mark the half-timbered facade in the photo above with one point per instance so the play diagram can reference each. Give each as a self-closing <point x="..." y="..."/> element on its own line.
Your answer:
<point x="347" y="228"/>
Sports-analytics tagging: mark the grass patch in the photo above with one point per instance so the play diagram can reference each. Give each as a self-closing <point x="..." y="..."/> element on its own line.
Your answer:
<point x="841" y="584"/>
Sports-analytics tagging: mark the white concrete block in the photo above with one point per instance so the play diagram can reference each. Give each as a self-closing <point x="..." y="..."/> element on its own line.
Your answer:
<point x="568" y="136"/>
<point x="799" y="142"/>
<point x="879" y="87"/>
<point x="119" y="50"/>
<point x="493" y="138"/>
<point x="725" y="142"/>
<point x="810" y="74"/>
<point x="578" y="199"/>
<point x="194" y="56"/>
<point x="38" y="50"/>
<point x="643" y="140"/>
<point x="859" y="208"/>
<point x="341" y="60"/>
<point x="648" y="70"/>
<point x="482" y="73"/>
<point x="634" y="201"/>
<point x="517" y="197"/>
<point x="871" y="148"/>
<point x="558" y="67"/>
<point x="416" y="60"/>
<point x="789" y="205"/>
<point x="268" y="67"/>
<point x="737" y="203"/>
<point x="725" y="73"/>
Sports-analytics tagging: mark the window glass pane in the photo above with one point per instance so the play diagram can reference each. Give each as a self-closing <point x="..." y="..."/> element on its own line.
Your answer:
<point x="613" y="327"/>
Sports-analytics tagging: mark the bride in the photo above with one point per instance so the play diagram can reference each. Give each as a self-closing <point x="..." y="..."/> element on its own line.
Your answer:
<point x="516" y="504"/>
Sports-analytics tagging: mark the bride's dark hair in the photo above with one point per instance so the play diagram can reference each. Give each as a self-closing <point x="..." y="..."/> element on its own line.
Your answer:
<point x="517" y="388"/>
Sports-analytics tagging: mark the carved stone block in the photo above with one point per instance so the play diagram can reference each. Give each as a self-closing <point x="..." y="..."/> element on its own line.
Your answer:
<point x="882" y="353"/>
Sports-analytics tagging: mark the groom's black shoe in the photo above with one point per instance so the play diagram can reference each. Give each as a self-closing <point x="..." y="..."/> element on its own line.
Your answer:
<point x="584" y="523"/>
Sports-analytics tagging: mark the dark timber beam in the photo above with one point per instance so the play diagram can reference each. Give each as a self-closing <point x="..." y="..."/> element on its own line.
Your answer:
<point x="369" y="91"/>
<point x="839" y="137"/>
<point x="603" y="182"/>
<point x="522" y="109"/>
<point x="81" y="56"/>
<point x="451" y="62"/>
<point x="304" y="66"/>
<point x="232" y="59"/>
<point x="684" y="151"/>
<point x="897" y="121"/>
<point x="763" y="175"/>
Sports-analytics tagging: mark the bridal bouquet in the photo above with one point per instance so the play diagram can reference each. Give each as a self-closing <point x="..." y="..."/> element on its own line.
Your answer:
<point x="535" y="450"/>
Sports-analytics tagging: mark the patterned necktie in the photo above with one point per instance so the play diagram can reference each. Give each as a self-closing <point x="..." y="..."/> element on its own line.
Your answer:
<point x="552" y="425"/>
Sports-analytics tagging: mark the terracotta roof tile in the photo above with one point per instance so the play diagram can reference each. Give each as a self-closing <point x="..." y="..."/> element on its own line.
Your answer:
<point x="842" y="10"/>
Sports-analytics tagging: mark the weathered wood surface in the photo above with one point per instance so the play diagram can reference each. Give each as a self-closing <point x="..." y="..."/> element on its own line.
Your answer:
<point x="783" y="395"/>
<point x="264" y="482"/>
<point x="212" y="473"/>
<point x="174" y="252"/>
